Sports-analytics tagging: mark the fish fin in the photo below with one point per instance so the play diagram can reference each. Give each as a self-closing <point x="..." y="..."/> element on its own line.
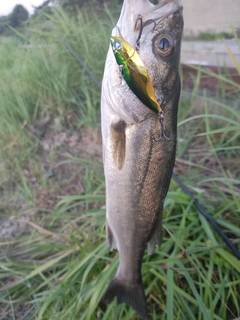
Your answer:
<point x="156" y="237"/>
<point x="133" y="295"/>
<point x="111" y="241"/>
<point x="119" y="143"/>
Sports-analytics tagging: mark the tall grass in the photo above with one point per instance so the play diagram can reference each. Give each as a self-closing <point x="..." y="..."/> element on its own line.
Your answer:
<point x="45" y="77"/>
<point x="42" y="84"/>
<point x="60" y="266"/>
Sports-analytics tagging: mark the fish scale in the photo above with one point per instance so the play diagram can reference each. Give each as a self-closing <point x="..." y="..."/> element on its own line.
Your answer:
<point x="137" y="166"/>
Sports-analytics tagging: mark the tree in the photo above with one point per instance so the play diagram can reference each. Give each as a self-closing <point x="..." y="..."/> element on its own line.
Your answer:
<point x="4" y="22"/>
<point x="19" y="15"/>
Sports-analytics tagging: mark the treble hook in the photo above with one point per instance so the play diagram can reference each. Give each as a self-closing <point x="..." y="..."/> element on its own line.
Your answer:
<point x="162" y="134"/>
<point x="142" y="26"/>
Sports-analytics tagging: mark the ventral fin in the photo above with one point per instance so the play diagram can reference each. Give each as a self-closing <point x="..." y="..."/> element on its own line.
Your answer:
<point x="156" y="237"/>
<point x="111" y="241"/>
<point x="118" y="138"/>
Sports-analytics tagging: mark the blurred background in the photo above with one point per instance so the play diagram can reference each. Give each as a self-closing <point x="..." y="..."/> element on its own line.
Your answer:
<point x="210" y="27"/>
<point x="210" y="17"/>
<point x="54" y="261"/>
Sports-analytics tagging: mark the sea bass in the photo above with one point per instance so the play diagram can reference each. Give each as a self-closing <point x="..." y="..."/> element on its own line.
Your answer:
<point x="137" y="163"/>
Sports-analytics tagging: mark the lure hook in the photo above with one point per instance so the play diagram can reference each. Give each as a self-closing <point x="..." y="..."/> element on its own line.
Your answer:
<point x="118" y="31"/>
<point x="142" y="26"/>
<point x="162" y="134"/>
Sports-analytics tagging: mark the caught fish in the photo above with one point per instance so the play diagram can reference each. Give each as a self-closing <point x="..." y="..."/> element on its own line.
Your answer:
<point x="140" y="84"/>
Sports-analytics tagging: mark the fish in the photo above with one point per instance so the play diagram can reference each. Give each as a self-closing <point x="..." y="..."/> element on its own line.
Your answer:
<point x="137" y="164"/>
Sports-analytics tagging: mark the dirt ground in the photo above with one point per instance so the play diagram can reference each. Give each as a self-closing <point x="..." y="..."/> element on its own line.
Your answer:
<point x="61" y="178"/>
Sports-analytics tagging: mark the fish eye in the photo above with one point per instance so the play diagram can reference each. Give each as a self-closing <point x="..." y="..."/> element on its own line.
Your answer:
<point x="117" y="44"/>
<point x="164" y="44"/>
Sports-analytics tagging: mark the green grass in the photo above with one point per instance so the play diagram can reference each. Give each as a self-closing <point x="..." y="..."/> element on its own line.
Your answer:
<point x="208" y="36"/>
<point x="57" y="264"/>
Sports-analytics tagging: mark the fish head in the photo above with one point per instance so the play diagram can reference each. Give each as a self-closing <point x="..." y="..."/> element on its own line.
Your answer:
<point x="160" y="50"/>
<point x="154" y="32"/>
<point x="132" y="9"/>
<point x="160" y="29"/>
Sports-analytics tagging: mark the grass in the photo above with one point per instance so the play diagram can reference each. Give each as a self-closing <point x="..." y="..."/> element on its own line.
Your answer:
<point x="210" y="36"/>
<point x="54" y="261"/>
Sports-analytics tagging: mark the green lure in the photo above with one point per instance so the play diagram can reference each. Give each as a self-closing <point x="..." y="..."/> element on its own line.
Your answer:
<point x="135" y="73"/>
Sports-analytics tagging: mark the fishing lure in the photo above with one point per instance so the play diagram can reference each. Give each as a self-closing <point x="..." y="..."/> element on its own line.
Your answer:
<point x="134" y="72"/>
<point x="136" y="76"/>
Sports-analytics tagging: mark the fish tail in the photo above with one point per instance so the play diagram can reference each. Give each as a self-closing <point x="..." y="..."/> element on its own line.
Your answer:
<point x="133" y="295"/>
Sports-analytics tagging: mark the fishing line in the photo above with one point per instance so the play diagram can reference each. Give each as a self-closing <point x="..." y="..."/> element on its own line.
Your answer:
<point x="207" y="216"/>
<point x="200" y="208"/>
<point x="83" y="64"/>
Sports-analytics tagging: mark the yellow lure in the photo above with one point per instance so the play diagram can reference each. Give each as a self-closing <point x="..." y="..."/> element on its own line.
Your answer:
<point x="134" y="72"/>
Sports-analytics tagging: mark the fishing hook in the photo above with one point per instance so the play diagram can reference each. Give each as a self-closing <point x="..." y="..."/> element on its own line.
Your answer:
<point x="162" y="134"/>
<point x="142" y="26"/>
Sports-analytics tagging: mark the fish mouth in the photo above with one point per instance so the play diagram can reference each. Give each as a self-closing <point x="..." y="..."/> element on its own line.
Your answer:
<point x="164" y="7"/>
<point x="132" y="9"/>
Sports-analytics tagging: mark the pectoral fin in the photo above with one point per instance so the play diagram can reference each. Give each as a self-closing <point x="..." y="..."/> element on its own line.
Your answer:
<point x="111" y="241"/>
<point x="156" y="238"/>
<point x="118" y="138"/>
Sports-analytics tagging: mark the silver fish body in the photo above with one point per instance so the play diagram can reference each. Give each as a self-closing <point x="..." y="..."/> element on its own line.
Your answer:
<point x="137" y="166"/>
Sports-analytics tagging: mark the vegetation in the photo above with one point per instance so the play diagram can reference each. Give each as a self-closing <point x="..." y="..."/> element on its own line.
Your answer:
<point x="18" y="16"/>
<point x="210" y="36"/>
<point x="16" y="19"/>
<point x="55" y="263"/>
